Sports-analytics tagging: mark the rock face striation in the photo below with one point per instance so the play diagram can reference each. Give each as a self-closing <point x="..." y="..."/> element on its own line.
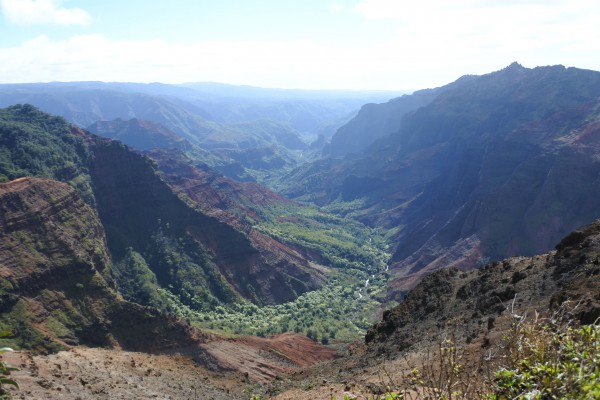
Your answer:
<point x="57" y="292"/>
<point x="136" y="206"/>
<point x="495" y="165"/>
<point x="55" y="275"/>
<point x="280" y="270"/>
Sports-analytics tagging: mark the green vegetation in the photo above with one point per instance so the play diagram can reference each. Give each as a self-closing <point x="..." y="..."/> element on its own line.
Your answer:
<point x="334" y="312"/>
<point x="341" y="242"/>
<point x="549" y="363"/>
<point x="174" y="274"/>
<point x="343" y="309"/>
<point x="25" y="336"/>
<point x="538" y="358"/>
<point x="33" y="143"/>
<point x="184" y="277"/>
<point x="189" y="285"/>
<point x="136" y="282"/>
<point x="156" y="260"/>
<point x="188" y="271"/>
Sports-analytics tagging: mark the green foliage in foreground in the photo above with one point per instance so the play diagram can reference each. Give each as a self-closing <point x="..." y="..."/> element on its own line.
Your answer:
<point x="552" y="364"/>
<point x="539" y="359"/>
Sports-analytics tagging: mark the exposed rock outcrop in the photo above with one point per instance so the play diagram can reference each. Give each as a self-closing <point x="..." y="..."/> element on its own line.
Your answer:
<point x="468" y="305"/>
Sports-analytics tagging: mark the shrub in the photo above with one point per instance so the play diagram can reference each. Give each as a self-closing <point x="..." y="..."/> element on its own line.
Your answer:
<point x="5" y="371"/>
<point x="539" y="358"/>
<point x="550" y="361"/>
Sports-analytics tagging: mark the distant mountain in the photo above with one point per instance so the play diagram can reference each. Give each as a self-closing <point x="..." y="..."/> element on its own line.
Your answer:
<point x="243" y="121"/>
<point x="376" y="121"/>
<point x="307" y="111"/>
<point x="83" y="105"/>
<point x="192" y="109"/>
<point x="139" y="134"/>
<point x="257" y="149"/>
<point x="495" y="165"/>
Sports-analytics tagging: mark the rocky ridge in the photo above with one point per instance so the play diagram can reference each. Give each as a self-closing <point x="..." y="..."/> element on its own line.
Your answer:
<point x="470" y="305"/>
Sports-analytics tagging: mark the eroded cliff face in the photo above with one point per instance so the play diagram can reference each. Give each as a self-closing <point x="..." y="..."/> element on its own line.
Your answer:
<point x="280" y="269"/>
<point x="495" y="165"/>
<point x="43" y="223"/>
<point x="136" y="206"/>
<point x="56" y="293"/>
<point x="55" y="275"/>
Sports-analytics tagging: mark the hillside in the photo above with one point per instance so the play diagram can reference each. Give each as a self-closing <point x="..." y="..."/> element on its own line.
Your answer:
<point x="476" y="308"/>
<point x="139" y="134"/>
<point x="55" y="271"/>
<point x="88" y="103"/>
<point x="258" y="150"/>
<point x="489" y="168"/>
<point x="434" y="204"/>
<point x="468" y="318"/>
<point x="140" y="211"/>
<point x="469" y="302"/>
<point x="190" y="241"/>
<point x="57" y="294"/>
<point x="376" y="121"/>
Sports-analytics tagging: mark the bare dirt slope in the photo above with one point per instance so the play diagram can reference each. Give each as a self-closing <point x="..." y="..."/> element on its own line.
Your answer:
<point x="92" y="373"/>
<point x="242" y="366"/>
<point x="264" y="360"/>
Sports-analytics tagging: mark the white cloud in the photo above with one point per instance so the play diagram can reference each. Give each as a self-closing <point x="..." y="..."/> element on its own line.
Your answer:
<point x="32" y="12"/>
<point x="96" y="57"/>
<point x="429" y="45"/>
<point x="337" y="7"/>
<point x="524" y="25"/>
<point x="476" y="35"/>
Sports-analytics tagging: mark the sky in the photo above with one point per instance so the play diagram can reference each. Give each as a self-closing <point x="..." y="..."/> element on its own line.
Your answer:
<point x="306" y="44"/>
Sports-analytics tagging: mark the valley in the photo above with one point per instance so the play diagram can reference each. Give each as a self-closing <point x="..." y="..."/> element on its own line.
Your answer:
<point x="213" y="241"/>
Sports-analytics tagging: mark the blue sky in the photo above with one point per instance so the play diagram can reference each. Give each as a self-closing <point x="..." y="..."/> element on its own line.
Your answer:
<point x="313" y="44"/>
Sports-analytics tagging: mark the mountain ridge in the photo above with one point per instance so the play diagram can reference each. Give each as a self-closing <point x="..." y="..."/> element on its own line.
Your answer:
<point x="139" y="211"/>
<point x="488" y="168"/>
